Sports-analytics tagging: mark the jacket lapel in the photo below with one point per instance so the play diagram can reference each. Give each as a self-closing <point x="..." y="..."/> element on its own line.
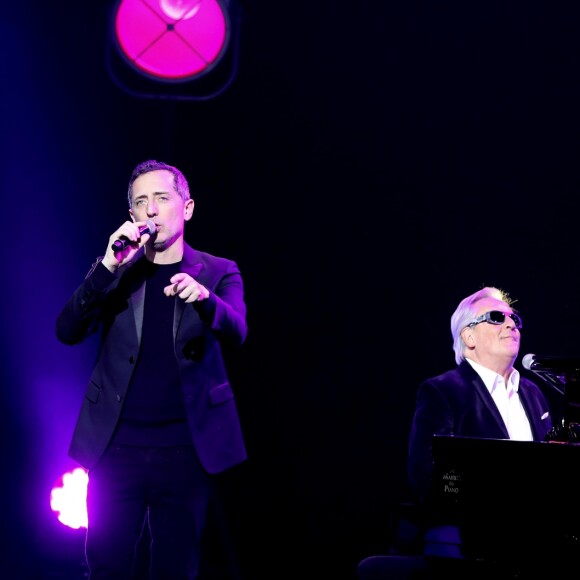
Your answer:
<point x="138" y="301"/>
<point x="137" y="298"/>
<point x="193" y="268"/>
<point x="137" y="292"/>
<point x="486" y="399"/>
<point x="532" y="417"/>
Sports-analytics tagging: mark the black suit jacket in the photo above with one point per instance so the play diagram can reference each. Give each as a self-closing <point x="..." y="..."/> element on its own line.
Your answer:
<point x="458" y="403"/>
<point x="113" y="304"/>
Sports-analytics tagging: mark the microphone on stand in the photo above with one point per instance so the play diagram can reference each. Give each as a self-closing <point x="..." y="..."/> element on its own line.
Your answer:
<point x="120" y="244"/>
<point x="553" y="364"/>
<point x="563" y="375"/>
<point x="551" y="369"/>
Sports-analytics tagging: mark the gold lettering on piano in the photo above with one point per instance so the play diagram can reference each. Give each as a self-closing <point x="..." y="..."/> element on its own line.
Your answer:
<point x="451" y="482"/>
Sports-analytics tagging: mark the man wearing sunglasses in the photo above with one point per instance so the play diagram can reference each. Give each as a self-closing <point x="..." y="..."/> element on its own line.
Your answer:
<point x="484" y="396"/>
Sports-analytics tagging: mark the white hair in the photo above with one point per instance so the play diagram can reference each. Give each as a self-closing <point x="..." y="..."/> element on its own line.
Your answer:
<point x="466" y="312"/>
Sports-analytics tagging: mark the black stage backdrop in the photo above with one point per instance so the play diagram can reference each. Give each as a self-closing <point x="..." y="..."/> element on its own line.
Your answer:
<point x="372" y="164"/>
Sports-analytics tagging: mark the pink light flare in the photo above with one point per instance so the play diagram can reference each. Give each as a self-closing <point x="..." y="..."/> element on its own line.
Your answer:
<point x="180" y="9"/>
<point x="172" y="40"/>
<point x="68" y="498"/>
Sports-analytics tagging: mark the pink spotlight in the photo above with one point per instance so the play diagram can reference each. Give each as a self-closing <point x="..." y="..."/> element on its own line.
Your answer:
<point x="172" y="40"/>
<point x="68" y="498"/>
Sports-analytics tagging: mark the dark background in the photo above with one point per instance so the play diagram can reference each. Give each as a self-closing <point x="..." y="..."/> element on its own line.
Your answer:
<point x="372" y="164"/>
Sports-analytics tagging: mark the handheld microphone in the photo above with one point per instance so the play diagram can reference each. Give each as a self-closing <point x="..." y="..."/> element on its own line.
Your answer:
<point x="120" y="244"/>
<point x="555" y="364"/>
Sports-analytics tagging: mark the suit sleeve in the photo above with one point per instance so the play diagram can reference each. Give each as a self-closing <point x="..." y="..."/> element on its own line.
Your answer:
<point x="80" y="315"/>
<point x="225" y="310"/>
<point x="433" y="415"/>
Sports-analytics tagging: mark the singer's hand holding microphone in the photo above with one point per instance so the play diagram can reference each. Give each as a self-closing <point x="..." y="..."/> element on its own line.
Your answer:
<point x="126" y="241"/>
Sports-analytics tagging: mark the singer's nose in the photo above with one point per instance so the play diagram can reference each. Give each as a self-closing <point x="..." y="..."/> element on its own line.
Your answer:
<point x="152" y="209"/>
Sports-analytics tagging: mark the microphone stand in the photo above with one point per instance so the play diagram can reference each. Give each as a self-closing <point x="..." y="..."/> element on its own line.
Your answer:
<point x="557" y="382"/>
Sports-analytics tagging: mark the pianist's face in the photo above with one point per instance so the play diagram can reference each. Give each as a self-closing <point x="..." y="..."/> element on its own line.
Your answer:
<point x="493" y="344"/>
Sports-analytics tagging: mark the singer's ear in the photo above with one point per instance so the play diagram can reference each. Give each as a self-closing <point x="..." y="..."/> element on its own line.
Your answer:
<point x="132" y="216"/>
<point x="188" y="209"/>
<point x="467" y="335"/>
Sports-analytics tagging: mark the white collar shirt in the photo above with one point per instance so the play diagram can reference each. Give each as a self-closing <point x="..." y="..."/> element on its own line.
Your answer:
<point x="507" y="400"/>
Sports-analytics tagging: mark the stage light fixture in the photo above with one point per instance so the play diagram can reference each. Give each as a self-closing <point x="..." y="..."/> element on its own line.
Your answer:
<point x="174" y="49"/>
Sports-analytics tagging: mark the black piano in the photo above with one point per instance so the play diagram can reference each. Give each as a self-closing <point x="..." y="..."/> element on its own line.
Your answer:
<point x="516" y="503"/>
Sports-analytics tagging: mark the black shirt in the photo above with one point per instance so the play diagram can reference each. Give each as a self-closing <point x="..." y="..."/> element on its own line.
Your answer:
<point x="154" y="413"/>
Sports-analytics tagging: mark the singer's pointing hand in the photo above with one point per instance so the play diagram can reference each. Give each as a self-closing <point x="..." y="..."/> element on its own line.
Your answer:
<point x="188" y="289"/>
<point x="130" y="231"/>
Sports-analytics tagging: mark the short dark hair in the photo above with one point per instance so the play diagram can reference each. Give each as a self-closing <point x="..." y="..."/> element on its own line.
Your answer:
<point x="179" y="181"/>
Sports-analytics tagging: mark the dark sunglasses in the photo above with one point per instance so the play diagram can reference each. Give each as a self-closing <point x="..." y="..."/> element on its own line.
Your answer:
<point x="496" y="317"/>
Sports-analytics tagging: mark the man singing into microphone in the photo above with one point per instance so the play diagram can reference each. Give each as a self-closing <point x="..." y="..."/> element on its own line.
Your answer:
<point x="484" y="396"/>
<point x="158" y="418"/>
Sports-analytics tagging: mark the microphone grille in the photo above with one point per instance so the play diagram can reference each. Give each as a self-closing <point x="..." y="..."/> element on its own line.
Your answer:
<point x="152" y="227"/>
<point x="528" y="361"/>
